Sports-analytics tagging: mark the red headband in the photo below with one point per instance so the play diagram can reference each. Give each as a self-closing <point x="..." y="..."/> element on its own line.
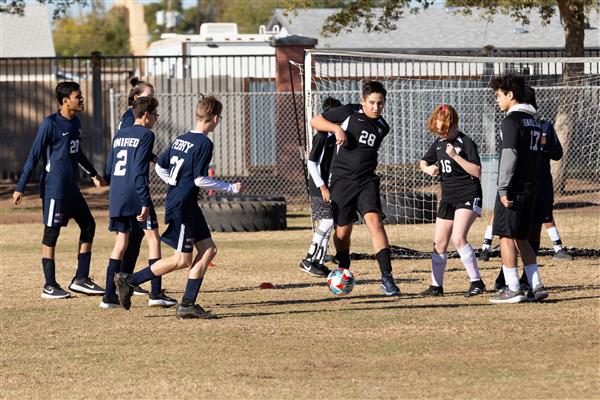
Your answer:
<point x="443" y="108"/>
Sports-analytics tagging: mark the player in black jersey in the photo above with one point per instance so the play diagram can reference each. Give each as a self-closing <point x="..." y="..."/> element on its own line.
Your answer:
<point x="57" y="143"/>
<point x="138" y="89"/>
<point x="184" y="167"/>
<point x="319" y="161"/>
<point x="359" y="131"/>
<point x="454" y="158"/>
<point x="513" y="212"/>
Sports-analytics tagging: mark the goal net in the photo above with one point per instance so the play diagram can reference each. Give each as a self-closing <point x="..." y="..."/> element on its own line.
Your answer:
<point x="567" y="93"/>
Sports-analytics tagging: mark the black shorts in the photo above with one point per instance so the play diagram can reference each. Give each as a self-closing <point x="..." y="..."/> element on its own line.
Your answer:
<point x="184" y="231"/>
<point x="58" y="212"/>
<point x="544" y="201"/>
<point x="320" y="209"/>
<point x="446" y="209"/>
<point x="349" y="197"/>
<point x="127" y="223"/>
<point x="514" y="222"/>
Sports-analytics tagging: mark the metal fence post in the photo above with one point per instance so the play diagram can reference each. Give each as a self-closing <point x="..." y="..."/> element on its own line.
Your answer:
<point x="98" y="131"/>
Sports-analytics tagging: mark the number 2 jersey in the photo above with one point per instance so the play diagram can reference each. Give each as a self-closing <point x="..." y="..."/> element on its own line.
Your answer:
<point x="128" y="169"/>
<point x="187" y="158"/>
<point x="457" y="184"/>
<point x="358" y="158"/>
<point x="57" y="143"/>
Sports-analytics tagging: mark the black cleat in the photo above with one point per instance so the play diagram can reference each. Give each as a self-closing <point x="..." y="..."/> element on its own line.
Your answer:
<point x="86" y="286"/>
<point x="388" y="285"/>
<point x="312" y="268"/>
<point x="109" y="302"/>
<point x="433" y="291"/>
<point x="524" y="283"/>
<point x="124" y="289"/>
<point x="193" y="311"/>
<point x="500" y="283"/>
<point x="161" y="300"/>
<point x="484" y="255"/>
<point x="477" y="287"/>
<point x="538" y="294"/>
<point x="54" y="291"/>
<point x="562" y="255"/>
<point x="140" y="291"/>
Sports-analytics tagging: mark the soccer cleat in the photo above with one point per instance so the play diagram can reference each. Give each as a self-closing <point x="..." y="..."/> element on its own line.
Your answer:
<point x="388" y="285"/>
<point x="312" y="268"/>
<point x="54" y="291"/>
<point x="500" y="283"/>
<point x="193" y="311"/>
<point x="323" y="268"/>
<point x="433" y="291"/>
<point x="140" y="291"/>
<point x="124" y="289"/>
<point x="524" y="283"/>
<point x="161" y="300"/>
<point x="109" y="302"/>
<point x="86" y="286"/>
<point x="477" y="287"/>
<point x="538" y="294"/>
<point x="484" y="255"/>
<point x="508" y="296"/>
<point x="562" y="255"/>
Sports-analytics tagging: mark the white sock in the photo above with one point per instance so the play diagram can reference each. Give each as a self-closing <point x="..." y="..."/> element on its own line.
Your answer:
<point x="511" y="277"/>
<point x="469" y="260"/>
<point x="533" y="276"/>
<point x="487" y="238"/>
<point x="555" y="238"/>
<point x="326" y="226"/>
<point x="324" y="230"/>
<point x="438" y="267"/>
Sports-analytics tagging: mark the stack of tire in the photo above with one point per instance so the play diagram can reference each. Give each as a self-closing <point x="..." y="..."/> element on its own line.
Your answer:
<point x="244" y="213"/>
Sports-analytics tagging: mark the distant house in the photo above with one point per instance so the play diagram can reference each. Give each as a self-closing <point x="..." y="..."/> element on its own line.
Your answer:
<point x="435" y="28"/>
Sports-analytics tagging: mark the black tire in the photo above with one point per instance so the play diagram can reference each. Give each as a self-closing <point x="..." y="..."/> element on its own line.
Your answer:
<point x="244" y="213"/>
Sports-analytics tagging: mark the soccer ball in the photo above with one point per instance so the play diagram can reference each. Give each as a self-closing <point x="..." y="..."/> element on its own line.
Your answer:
<point x="341" y="281"/>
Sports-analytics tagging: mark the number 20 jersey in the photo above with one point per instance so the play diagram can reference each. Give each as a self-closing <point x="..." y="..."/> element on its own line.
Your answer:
<point x="358" y="158"/>
<point x="187" y="158"/>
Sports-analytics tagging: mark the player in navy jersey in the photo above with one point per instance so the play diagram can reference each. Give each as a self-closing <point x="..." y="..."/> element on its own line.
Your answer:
<point x="319" y="161"/>
<point x="513" y="212"/>
<point x="184" y="167"/>
<point x="130" y="205"/>
<point x="359" y="131"/>
<point x="138" y="89"/>
<point x="58" y="143"/>
<point x="454" y="158"/>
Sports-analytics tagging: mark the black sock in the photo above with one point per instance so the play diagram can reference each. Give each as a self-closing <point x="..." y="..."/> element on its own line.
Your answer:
<point x="155" y="283"/>
<point x="343" y="257"/>
<point x="191" y="292"/>
<point x="140" y="277"/>
<point x="49" y="271"/>
<point x="384" y="258"/>
<point x="83" y="265"/>
<point x="113" y="267"/>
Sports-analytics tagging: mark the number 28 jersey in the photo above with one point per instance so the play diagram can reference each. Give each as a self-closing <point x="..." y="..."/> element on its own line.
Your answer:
<point x="358" y="158"/>
<point x="457" y="184"/>
<point x="187" y="158"/>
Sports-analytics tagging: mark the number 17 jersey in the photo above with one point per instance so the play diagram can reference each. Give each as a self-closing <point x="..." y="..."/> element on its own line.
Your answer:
<point x="187" y="158"/>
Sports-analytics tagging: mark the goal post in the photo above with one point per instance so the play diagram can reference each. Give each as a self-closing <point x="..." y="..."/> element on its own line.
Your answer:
<point x="417" y="83"/>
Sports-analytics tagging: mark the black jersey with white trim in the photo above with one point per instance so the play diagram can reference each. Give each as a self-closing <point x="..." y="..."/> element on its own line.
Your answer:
<point x="321" y="153"/>
<point x="358" y="158"/>
<point x="457" y="184"/>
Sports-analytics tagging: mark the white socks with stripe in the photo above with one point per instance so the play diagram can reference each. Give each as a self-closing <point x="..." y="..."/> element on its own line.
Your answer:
<point x="487" y="238"/>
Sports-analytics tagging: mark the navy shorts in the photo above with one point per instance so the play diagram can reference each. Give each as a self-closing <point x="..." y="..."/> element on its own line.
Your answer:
<point x="446" y="209"/>
<point x="349" y="197"/>
<point x="126" y="224"/>
<point x="184" y="231"/>
<point x="58" y="212"/>
<point x="514" y="222"/>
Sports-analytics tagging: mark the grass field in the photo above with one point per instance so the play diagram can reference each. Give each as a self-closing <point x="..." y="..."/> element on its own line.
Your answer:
<point x="296" y="341"/>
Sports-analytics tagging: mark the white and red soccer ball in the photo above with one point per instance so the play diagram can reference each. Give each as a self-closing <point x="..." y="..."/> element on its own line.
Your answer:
<point x="341" y="281"/>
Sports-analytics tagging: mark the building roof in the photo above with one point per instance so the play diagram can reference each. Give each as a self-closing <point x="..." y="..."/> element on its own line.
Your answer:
<point x="435" y="28"/>
<point x="27" y="36"/>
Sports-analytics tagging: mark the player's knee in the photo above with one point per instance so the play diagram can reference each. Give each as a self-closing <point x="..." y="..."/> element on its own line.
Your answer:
<point x="50" y="236"/>
<point x="88" y="230"/>
<point x="459" y="241"/>
<point x="183" y="261"/>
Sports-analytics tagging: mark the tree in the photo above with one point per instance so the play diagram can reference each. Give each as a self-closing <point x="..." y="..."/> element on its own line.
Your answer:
<point x="102" y="31"/>
<point x="61" y="7"/>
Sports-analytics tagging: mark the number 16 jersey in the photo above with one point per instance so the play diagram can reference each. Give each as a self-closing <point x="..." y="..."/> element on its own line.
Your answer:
<point x="187" y="158"/>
